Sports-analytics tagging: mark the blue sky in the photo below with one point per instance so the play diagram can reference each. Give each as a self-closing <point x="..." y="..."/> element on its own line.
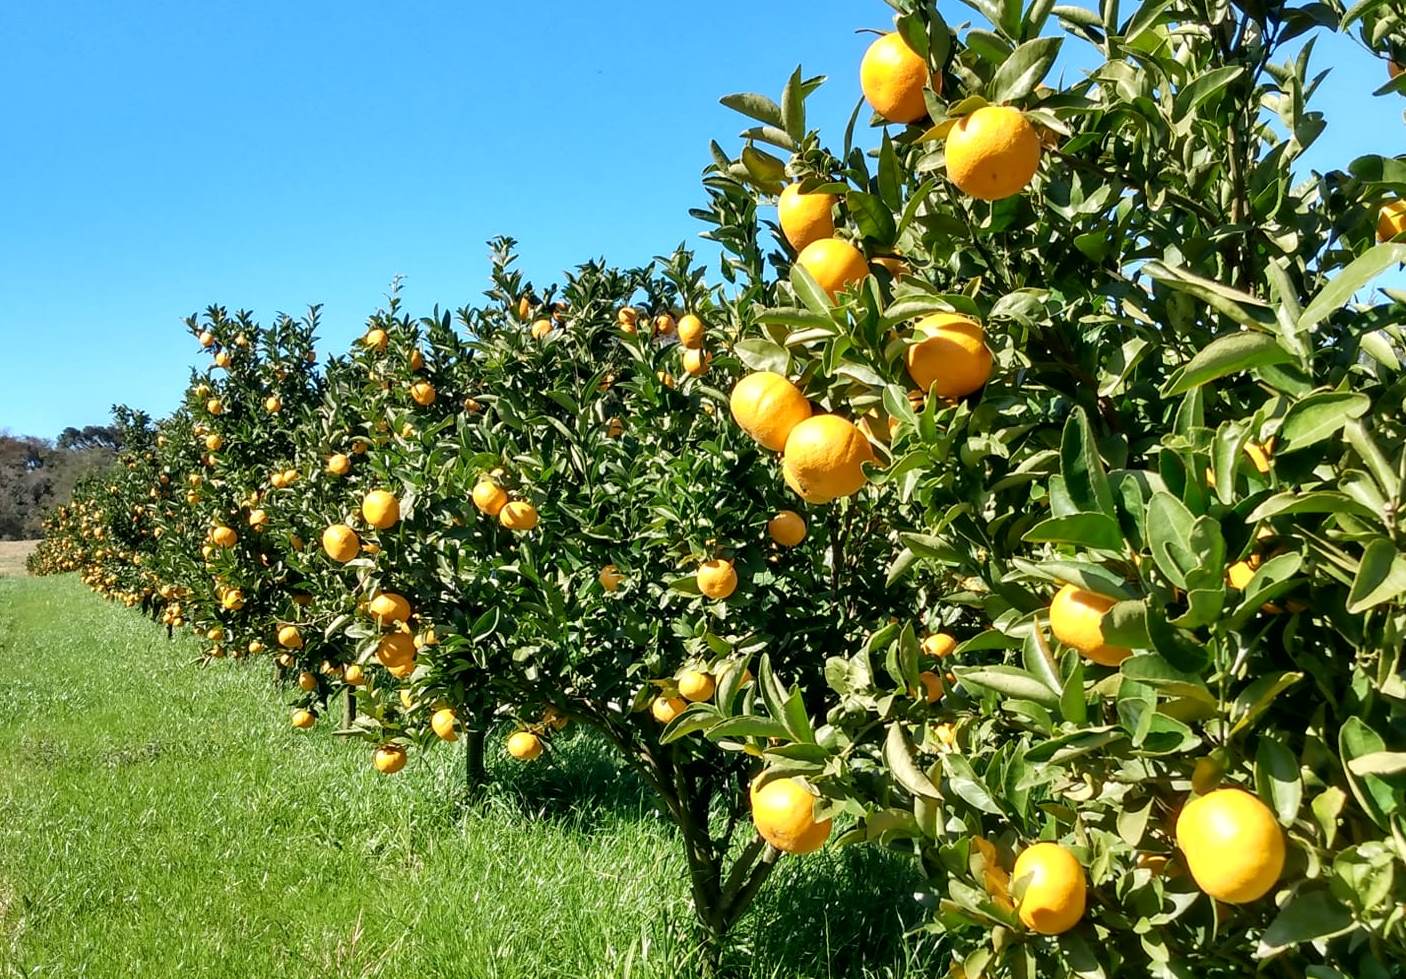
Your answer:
<point x="160" y="156"/>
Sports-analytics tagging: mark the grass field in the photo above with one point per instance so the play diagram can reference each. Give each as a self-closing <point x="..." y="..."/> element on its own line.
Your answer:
<point x="13" y="554"/>
<point x="160" y="819"/>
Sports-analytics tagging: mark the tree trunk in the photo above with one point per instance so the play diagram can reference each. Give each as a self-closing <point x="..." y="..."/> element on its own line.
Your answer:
<point x="475" y="774"/>
<point x="349" y="708"/>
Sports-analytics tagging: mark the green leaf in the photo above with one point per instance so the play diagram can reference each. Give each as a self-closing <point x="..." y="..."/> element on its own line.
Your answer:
<point x="1379" y="763"/>
<point x="1255" y="699"/>
<point x="793" y="107"/>
<point x="1224" y="355"/>
<point x="898" y="755"/>
<point x="1314" y="501"/>
<point x="1376" y="796"/>
<point x="1024" y="69"/>
<point x="1010" y="681"/>
<point x="1084" y="477"/>
<point x="808" y="291"/>
<point x="1381" y="576"/>
<point x="875" y="221"/>
<point x="763" y="355"/>
<point x="1319" y="416"/>
<point x="755" y="106"/>
<point x="1340" y="290"/>
<point x="1091" y="530"/>
<point x="1309" y="916"/>
<point x="1169" y="525"/>
<point x="1203" y="87"/>
<point x="747" y="726"/>
<point x="1277" y="778"/>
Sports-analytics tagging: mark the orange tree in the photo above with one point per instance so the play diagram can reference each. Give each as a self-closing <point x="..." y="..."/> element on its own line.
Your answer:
<point x="1146" y="461"/>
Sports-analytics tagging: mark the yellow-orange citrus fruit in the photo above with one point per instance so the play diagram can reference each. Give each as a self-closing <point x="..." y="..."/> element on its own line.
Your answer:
<point x="896" y="267"/>
<point x="303" y="719"/>
<point x="1076" y="619"/>
<point x="354" y="675"/>
<point x="695" y="362"/>
<point x="610" y="577"/>
<point x="834" y="263"/>
<point x="939" y="644"/>
<point x="395" y="650"/>
<point x="1238" y="575"/>
<point x="696" y="685"/>
<point x="489" y="497"/>
<point x="1234" y="848"/>
<point x="665" y="709"/>
<point x="950" y="355"/>
<point x="223" y="537"/>
<point x="442" y="722"/>
<point x="664" y="324"/>
<point x="215" y="406"/>
<point x="691" y="331"/>
<point x="932" y="686"/>
<point x="518" y="515"/>
<point x="214" y="442"/>
<point x="417" y="360"/>
<point x="423" y="393"/>
<point x="524" y="745"/>
<point x="824" y="458"/>
<point x="376" y="340"/>
<point x="1392" y="220"/>
<point x="307" y="681"/>
<point x="339" y="464"/>
<point x="403" y="670"/>
<point x="992" y="153"/>
<point x="541" y="328"/>
<point x="787" y="528"/>
<point x="783" y="812"/>
<point x="207" y="339"/>
<point x="805" y="217"/>
<point x="1051" y="887"/>
<point x="615" y="428"/>
<point x="1260" y="454"/>
<point x="767" y="407"/>
<point x="340" y="542"/>
<point x="388" y="607"/>
<point x="389" y="759"/>
<point x="223" y="359"/>
<point x="717" y="579"/>
<point x="893" y="77"/>
<point x="258" y="518"/>
<point x="380" y="509"/>
<point x="273" y="404"/>
<point x="628" y="318"/>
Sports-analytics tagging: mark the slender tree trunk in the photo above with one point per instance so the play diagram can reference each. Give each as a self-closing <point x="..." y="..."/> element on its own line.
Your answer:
<point x="349" y="708"/>
<point x="475" y="774"/>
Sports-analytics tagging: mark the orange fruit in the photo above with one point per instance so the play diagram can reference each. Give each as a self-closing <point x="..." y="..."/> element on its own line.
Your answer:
<point x="950" y="355"/>
<point x="489" y="497"/>
<point x="1051" y="886"/>
<point x="1393" y="70"/>
<point x="767" y="407"/>
<point x="1391" y="221"/>
<point x="207" y="339"/>
<point x="610" y="577"/>
<point x="939" y="645"/>
<point x="273" y="404"/>
<point x="380" y="509"/>
<point x="664" y="324"/>
<point x="834" y="264"/>
<point x="695" y="685"/>
<point x="628" y="318"/>
<point x="376" y="340"/>
<point x="442" y="723"/>
<point x="289" y="637"/>
<point x="1233" y="845"/>
<point x="805" y="217"/>
<point x="395" y="650"/>
<point x="717" y="579"/>
<point x="422" y="393"/>
<point x="354" y="675"/>
<point x="340" y="543"/>
<point x="787" y="528"/>
<point x="1076" y="619"/>
<point x="307" y="681"/>
<point x="518" y="515"/>
<point x="303" y="719"/>
<point x="541" y="329"/>
<point x="665" y="709"/>
<point x="389" y="759"/>
<point x="214" y="441"/>
<point x="932" y="686"/>
<point x="896" y="267"/>
<point x="691" y="331"/>
<point x="893" y="77"/>
<point x="339" y="464"/>
<point x="524" y="745"/>
<point x="695" y="362"/>
<point x="215" y="406"/>
<point x="783" y="812"/>
<point x="388" y="607"/>
<point x="992" y="153"/>
<point x="824" y="458"/>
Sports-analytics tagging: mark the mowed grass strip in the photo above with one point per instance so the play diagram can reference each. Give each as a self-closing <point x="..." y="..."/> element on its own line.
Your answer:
<point x="160" y="819"/>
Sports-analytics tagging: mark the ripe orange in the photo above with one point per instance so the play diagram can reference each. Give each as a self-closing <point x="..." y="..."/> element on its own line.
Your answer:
<point x="695" y="362"/>
<point x="932" y="686"/>
<point x="691" y="331"/>
<point x="488" y="496"/>
<point x="215" y="406"/>
<point x="939" y="645"/>
<point x="1076" y="619"/>
<point x="767" y="407"/>
<point x="307" y="681"/>
<point x="628" y="318"/>
<point x="787" y="528"/>
<point x="341" y="543"/>
<point x="258" y="519"/>
<point x="696" y="685"/>
<point x="614" y="428"/>
<point x="223" y="537"/>
<point x="950" y="355"/>
<point x="354" y="675"/>
<point x="376" y="340"/>
<point x="896" y="267"/>
<point x="395" y="650"/>
<point x="388" y="607"/>
<point x="834" y="263"/>
<point x="303" y="719"/>
<point x="417" y="360"/>
<point x="717" y="579"/>
<point x="610" y="577"/>
<point x="207" y="339"/>
<point x="442" y="723"/>
<point x="1054" y="891"/>
<point x="273" y="404"/>
<point x="993" y="153"/>
<point x="805" y="217"/>
<point x="1391" y="221"/>
<point x="893" y="77"/>
<point x="214" y="442"/>
<point x="1233" y="845"/>
<point x="665" y="709"/>
<point x="518" y="515"/>
<point x="422" y="393"/>
<point x="541" y="329"/>
<point x="783" y="812"/>
<point x="380" y="509"/>
<point x="524" y="745"/>
<point x="824" y="458"/>
<point x="664" y="325"/>
<point x="389" y="759"/>
<point x="339" y="464"/>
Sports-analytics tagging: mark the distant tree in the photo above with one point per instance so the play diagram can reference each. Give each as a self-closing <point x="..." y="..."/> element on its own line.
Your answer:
<point x="37" y="475"/>
<point x="90" y="437"/>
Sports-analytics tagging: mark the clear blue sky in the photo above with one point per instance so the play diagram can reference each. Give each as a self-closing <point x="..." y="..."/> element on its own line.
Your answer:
<point x="160" y="156"/>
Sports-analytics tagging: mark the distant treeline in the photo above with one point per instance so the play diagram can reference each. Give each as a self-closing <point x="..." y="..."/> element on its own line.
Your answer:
<point x="37" y="474"/>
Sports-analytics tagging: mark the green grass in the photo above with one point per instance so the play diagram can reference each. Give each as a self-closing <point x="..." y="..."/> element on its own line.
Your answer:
<point x="160" y="819"/>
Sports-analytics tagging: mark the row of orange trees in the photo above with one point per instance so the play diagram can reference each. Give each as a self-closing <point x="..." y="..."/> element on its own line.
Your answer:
<point x="1029" y="508"/>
